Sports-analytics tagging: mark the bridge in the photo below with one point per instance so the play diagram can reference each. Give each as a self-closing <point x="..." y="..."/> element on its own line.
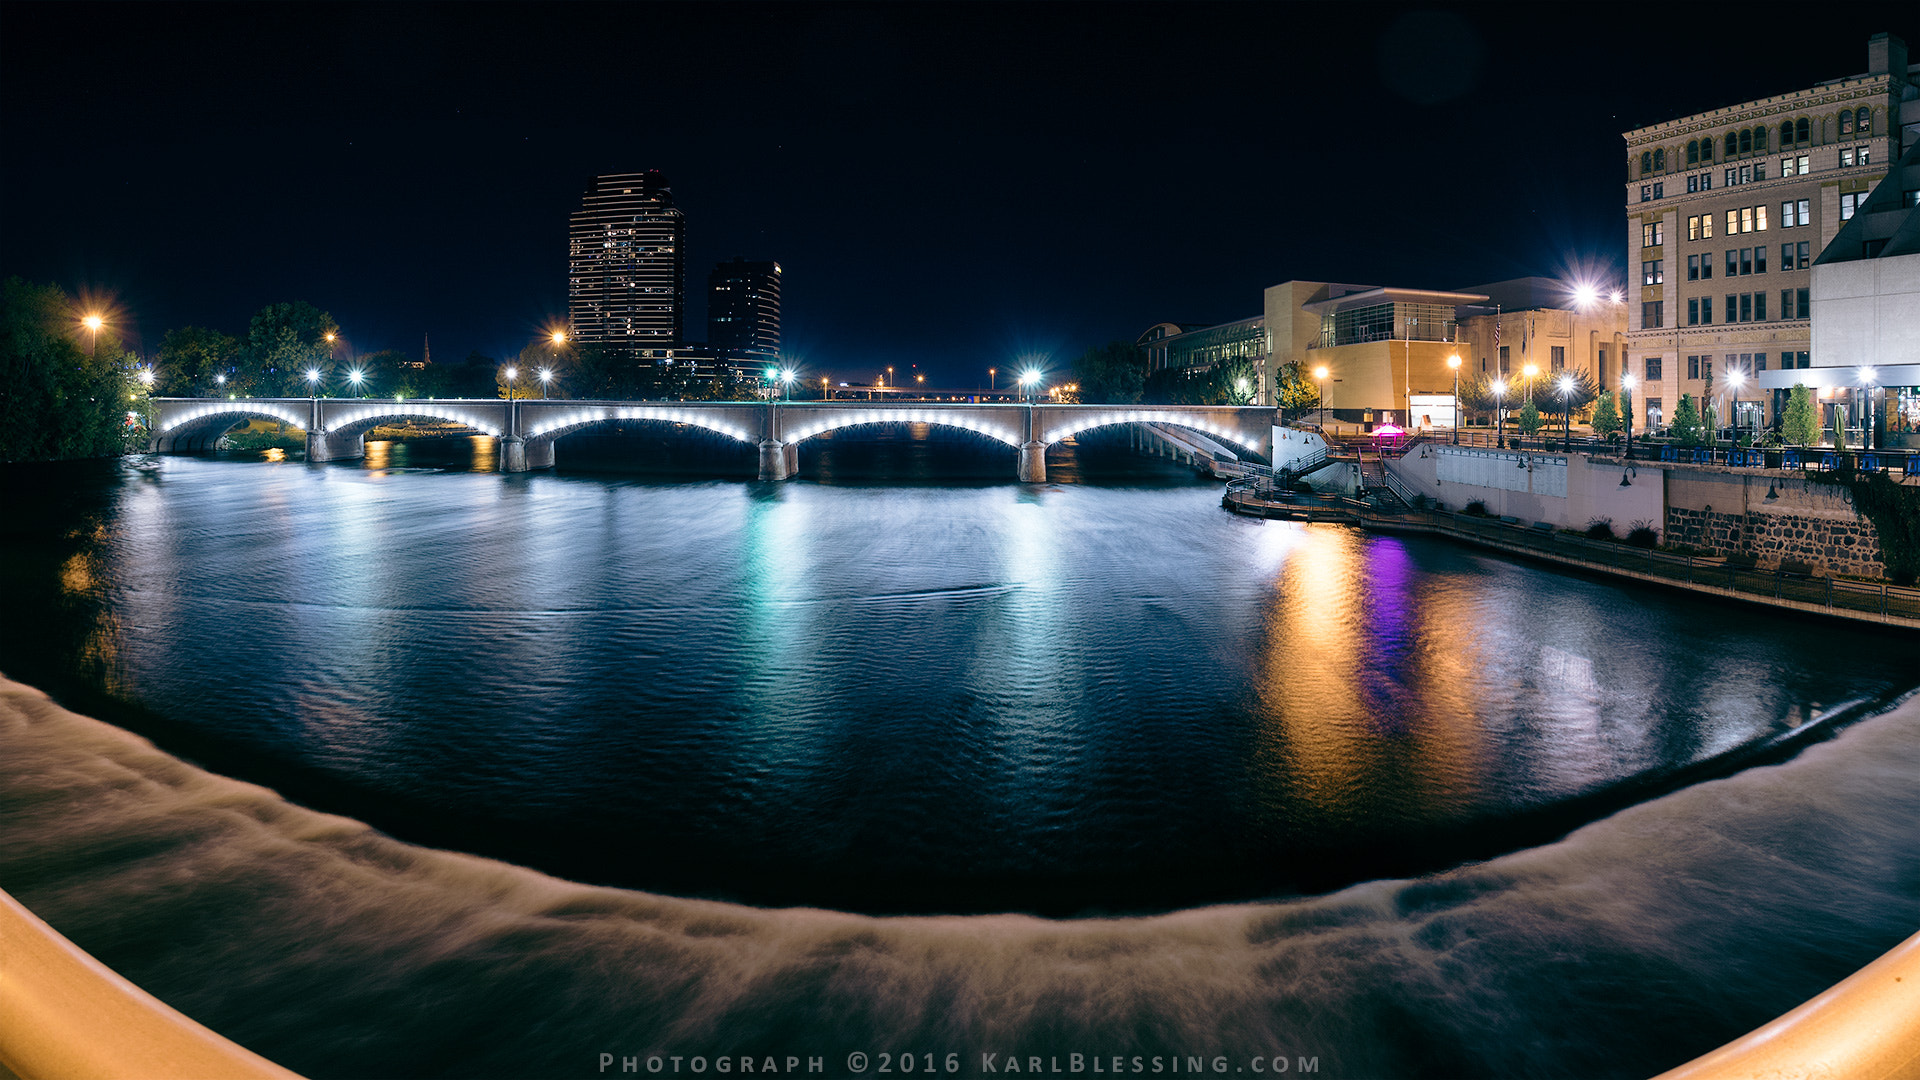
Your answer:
<point x="527" y="429"/>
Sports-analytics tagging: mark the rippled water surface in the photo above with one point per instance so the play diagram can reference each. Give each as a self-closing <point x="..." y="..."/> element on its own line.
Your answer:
<point x="1097" y="696"/>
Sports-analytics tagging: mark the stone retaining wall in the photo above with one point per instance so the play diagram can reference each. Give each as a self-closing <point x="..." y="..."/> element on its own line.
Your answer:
<point x="1833" y="545"/>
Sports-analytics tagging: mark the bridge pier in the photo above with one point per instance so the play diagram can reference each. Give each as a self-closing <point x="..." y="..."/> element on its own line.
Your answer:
<point x="773" y="459"/>
<point x="539" y="453"/>
<point x="317" y="448"/>
<point x="513" y="454"/>
<point x="331" y="446"/>
<point x="1033" y="463"/>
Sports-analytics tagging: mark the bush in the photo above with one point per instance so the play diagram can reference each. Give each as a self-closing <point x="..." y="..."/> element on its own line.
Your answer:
<point x="1642" y="534"/>
<point x="1600" y="528"/>
<point x="1476" y="508"/>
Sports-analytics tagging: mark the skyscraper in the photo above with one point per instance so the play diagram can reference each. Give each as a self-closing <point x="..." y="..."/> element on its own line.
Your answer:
<point x="743" y="307"/>
<point x="626" y="263"/>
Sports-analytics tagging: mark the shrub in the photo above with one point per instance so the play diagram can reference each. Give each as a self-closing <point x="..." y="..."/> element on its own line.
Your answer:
<point x="1600" y="528"/>
<point x="1642" y="534"/>
<point x="1476" y="508"/>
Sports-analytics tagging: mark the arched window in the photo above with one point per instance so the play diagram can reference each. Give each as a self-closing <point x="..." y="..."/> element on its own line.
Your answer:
<point x="1800" y="133"/>
<point x="1693" y="151"/>
<point x="1786" y="134"/>
<point x="1660" y="160"/>
<point x="1760" y="139"/>
<point x="1846" y="122"/>
<point x="1733" y="145"/>
<point x="1863" y="121"/>
<point x="1646" y="162"/>
<point x="1746" y="142"/>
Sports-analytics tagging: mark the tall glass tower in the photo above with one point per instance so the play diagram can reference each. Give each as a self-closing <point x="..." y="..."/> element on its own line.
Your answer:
<point x="626" y="263"/>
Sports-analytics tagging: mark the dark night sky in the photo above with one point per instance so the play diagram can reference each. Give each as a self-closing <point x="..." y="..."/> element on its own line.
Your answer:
<point x="951" y="186"/>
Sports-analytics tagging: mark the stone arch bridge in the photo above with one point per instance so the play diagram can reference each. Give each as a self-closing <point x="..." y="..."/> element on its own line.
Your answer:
<point x="527" y="429"/>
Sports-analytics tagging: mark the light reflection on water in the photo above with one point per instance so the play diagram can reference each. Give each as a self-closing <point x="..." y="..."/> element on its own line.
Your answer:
<point x="1054" y="697"/>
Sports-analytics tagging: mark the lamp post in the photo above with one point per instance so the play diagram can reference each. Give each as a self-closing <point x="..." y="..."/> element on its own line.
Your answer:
<point x="1866" y="384"/>
<point x="889" y="376"/>
<point x="993" y="379"/>
<point x="1566" y="412"/>
<point x="786" y="381"/>
<point x="313" y="407"/>
<point x="1626" y="394"/>
<point x="1029" y="382"/>
<point x="1320" y="374"/>
<point x="1499" y="389"/>
<point x="1735" y="378"/>
<point x="546" y="376"/>
<point x="1453" y="362"/>
<point x="93" y="323"/>
<point x="356" y="376"/>
<point x="512" y="373"/>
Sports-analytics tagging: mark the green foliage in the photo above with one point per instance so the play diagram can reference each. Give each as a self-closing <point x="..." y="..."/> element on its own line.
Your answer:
<point x="1476" y="392"/>
<point x="1545" y="393"/>
<point x="1298" y="393"/>
<point x="1685" y="428"/>
<point x="1111" y="374"/>
<point x="1220" y="385"/>
<point x="1530" y="421"/>
<point x="1894" y="510"/>
<point x="1800" y="423"/>
<point x="283" y="342"/>
<point x="1599" y="528"/>
<point x="190" y="360"/>
<point x="59" y="399"/>
<point x="1606" y="417"/>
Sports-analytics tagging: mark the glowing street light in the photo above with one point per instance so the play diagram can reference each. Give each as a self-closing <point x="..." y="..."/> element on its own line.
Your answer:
<point x="93" y="323"/>
<point x="993" y="378"/>
<point x="1320" y="373"/>
<point x="546" y="374"/>
<point x="1735" y="379"/>
<point x="559" y="337"/>
<point x="1029" y="381"/>
<point x="786" y="381"/>
<point x="1584" y="295"/>
<point x="146" y="377"/>
<point x="1453" y="362"/>
<point x="511" y="373"/>
<point x="356" y="377"/>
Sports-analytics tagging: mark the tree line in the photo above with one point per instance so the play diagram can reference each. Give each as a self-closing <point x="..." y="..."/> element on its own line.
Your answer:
<point x="65" y="391"/>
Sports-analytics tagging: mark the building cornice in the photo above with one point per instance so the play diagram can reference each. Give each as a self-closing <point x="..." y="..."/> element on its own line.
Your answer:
<point x="1799" y="101"/>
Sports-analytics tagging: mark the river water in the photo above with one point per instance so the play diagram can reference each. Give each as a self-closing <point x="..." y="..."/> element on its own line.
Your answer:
<point x="1296" y="790"/>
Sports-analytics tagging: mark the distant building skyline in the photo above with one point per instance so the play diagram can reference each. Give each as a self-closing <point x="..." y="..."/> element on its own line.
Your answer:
<point x="626" y="263"/>
<point x="743" y="307"/>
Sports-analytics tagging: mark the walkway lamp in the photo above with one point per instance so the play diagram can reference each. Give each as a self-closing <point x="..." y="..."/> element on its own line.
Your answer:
<point x="1867" y="375"/>
<point x="93" y="323"/>
<point x="1453" y="362"/>
<point x="1029" y="383"/>
<point x="1499" y="389"/>
<point x="1320" y="374"/>
<point x="1734" y="379"/>
<point x="889" y="375"/>
<point x="786" y="381"/>
<point x="546" y="376"/>
<point x="1626" y="412"/>
<point x="1566" y="410"/>
<point x="993" y="378"/>
<point x="356" y="377"/>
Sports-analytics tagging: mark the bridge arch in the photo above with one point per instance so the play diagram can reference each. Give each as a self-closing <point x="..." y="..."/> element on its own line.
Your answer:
<point x="801" y="429"/>
<point x="353" y="423"/>
<point x="199" y="427"/>
<point x="554" y="426"/>
<point x="1066" y="427"/>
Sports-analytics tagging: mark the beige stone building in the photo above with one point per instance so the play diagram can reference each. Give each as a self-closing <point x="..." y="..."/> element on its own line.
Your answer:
<point x="1727" y="211"/>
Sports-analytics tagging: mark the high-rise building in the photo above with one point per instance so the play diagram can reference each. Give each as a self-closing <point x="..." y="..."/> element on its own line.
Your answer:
<point x="1727" y="211"/>
<point x="626" y="264"/>
<point x="743" y="307"/>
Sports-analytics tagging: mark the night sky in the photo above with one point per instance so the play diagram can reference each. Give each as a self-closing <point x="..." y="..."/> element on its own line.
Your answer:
<point x="948" y="186"/>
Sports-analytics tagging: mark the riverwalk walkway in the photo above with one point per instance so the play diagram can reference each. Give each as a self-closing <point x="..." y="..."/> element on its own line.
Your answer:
<point x="1384" y="512"/>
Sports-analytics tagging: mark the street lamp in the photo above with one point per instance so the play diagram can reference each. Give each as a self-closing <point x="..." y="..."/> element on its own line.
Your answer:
<point x="93" y="323"/>
<point x="1029" y="380"/>
<point x="1866" y="383"/>
<point x="993" y="379"/>
<point x="1320" y="374"/>
<point x="1499" y="389"/>
<point x="889" y="374"/>
<point x="1735" y="378"/>
<point x="546" y="375"/>
<point x="1626" y="395"/>
<point x="1566" y="410"/>
<point x="1453" y="362"/>
<point x="786" y="380"/>
<point x="220" y="381"/>
<point x="356" y="376"/>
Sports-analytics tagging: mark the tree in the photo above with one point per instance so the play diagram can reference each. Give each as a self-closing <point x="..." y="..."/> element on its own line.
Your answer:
<point x="1234" y="383"/>
<point x="1530" y="422"/>
<point x="1476" y="393"/>
<point x="1800" y="424"/>
<point x="59" y="399"/>
<point x="283" y="342"/>
<point x="1685" y="427"/>
<point x="1111" y="374"/>
<point x="191" y="360"/>
<point x="1606" y="416"/>
<point x="1297" y="392"/>
<point x="474" y="377"/>
<point x="1546" y="394"/>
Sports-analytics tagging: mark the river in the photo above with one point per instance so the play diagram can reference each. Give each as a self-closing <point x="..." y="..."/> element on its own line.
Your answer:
<point x="869" y="762"/>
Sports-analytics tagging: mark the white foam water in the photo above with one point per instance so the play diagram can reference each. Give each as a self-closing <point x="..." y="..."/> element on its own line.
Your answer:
<point x="1626" y="947"/>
